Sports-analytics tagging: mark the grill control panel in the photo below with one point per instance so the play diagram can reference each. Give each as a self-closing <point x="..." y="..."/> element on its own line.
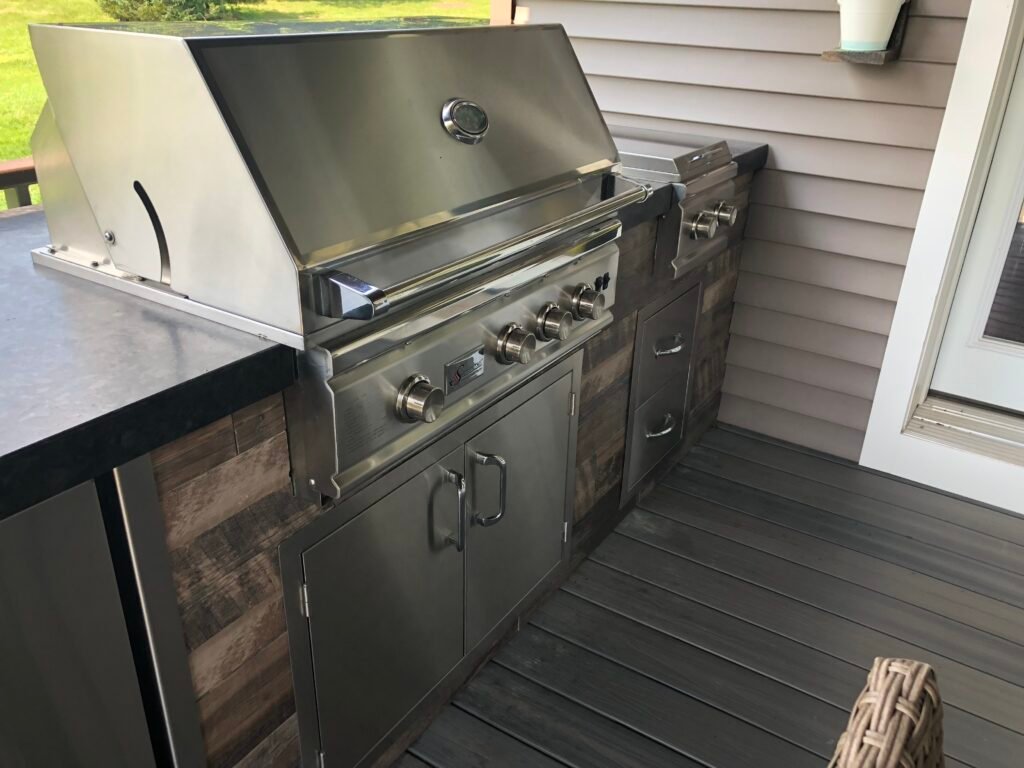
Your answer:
<point x="400" y="399"/>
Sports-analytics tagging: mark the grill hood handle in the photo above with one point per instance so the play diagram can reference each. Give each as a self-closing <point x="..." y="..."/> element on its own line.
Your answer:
<point x="344" y="296"/>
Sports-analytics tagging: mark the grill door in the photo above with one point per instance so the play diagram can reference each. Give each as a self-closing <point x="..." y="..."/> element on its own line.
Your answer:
<point x="386" y="597"/>
<point x="515" y="534"/>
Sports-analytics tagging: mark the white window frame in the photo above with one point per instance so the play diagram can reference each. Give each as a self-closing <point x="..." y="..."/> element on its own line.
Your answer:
<point x="962" y="155"/>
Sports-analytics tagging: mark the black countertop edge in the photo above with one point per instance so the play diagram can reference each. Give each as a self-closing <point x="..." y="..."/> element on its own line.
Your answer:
<point x="38" y="471"/>
<point x="749" y="157"/>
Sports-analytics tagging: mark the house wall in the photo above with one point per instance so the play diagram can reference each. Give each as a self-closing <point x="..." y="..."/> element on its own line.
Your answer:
<point x="833" y="213"/>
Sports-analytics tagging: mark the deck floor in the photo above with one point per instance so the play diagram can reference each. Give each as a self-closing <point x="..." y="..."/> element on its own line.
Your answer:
<point x="730" y="619"/>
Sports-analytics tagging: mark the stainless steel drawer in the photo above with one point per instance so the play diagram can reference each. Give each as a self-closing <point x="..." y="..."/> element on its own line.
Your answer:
<point x="665" y="341"/>
<point x="657" y="428"/>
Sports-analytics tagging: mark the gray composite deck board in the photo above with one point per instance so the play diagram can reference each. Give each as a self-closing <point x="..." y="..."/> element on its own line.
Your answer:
<point x="980" y="650"/>
<point x="833" y="545"/>
<point x="458" y="739"/>
<point x="409" y="760"/>
<point x="558" y="727"/>
<point x="758" y="700"/>
<point x="696" y="730"/>
<point x="977" y="550"/>
<point x="730" y="620"/>
<point x="836" y="472"/>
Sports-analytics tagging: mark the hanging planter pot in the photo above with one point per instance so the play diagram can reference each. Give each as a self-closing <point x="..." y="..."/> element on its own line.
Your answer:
<point x="866" y="25"/>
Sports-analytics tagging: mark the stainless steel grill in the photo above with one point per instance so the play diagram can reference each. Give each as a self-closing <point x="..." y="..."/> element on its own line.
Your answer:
<point x="428" y="214"/>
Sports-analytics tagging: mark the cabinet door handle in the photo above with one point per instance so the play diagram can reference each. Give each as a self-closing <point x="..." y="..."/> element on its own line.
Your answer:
<point x="492" y="459"/>
<point x="669" y="423"/>
<point x="459" y="537"/>
<point x="678" y="341"/>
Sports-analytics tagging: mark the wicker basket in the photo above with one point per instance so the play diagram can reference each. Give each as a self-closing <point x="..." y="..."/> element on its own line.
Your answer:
<point x="896" y="721"/>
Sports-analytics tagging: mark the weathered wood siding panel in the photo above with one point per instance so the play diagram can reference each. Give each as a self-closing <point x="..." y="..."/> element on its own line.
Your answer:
<point x="832" y="215"/>
<point x="227" y="504"/>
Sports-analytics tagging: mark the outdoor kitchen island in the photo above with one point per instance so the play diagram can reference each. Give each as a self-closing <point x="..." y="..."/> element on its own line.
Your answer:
<point x="300" y="551"/>
<point x="210" y="424"/>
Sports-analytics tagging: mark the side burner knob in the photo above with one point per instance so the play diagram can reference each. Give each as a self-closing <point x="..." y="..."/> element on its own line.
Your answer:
<point x="553" y="324"/>
<point x="515" y="345"/>
<point x="587" y="303"/>
<point x="419" y="400"/>
<point x="726" y="213"/>
<point x="703" y="226"/>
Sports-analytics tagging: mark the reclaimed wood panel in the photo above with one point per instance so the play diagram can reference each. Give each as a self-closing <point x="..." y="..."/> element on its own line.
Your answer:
<point x="227" y="503"/>
<point x="226" y="489"/>
<point x="176" y="463"/>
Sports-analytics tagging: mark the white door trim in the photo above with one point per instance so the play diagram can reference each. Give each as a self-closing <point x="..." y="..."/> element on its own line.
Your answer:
<point x="966" y="140"/>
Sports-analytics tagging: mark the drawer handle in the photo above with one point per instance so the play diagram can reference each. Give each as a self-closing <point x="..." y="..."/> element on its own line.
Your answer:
<point x="459" y="537"/>
<point x="491" y="459"/>
<point x="678" y="341"/>
<point x="668" y="426"/>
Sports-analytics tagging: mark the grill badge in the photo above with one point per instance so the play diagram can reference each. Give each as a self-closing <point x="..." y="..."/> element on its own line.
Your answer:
<point x="464" y="120"/>
<point x="459" y="372"/>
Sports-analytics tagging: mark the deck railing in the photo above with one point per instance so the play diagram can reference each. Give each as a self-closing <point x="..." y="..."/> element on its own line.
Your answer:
<point x="15" y="178"/>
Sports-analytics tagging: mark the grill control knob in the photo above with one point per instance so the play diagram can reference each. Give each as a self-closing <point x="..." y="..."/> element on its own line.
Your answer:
<point x="419" y="400"/>
<point x="702" y="226"/>
<point x="515" y="345"/>
<point x="587" y="304"/>
<point x="553" y="324"/>
<point x="725" y="213"/>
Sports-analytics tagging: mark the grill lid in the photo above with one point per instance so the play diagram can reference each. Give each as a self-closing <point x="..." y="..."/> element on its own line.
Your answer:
<point x="233" y="163"/>
<point x="359" y="139"/>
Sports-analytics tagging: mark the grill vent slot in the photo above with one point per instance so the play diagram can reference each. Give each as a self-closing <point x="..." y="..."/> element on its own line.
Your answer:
<point x="158" y="230"/>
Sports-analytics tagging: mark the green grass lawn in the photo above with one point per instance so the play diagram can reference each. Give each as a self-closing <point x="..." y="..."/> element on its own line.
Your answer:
<point x="21" y="91"/>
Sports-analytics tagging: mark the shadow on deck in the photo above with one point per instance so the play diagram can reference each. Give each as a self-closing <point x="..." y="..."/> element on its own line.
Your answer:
<point x="731" y="618"/>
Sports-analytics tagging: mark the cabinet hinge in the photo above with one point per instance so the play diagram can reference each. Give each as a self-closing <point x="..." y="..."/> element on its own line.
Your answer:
<point x="321" y="761"/>
<point x="572" y="403"/>
<point x="304" y="603"/>
<point x="565" y="532"/>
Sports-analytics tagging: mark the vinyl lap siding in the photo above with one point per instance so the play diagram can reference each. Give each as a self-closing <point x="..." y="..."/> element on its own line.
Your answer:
<point x="832" y="215"/>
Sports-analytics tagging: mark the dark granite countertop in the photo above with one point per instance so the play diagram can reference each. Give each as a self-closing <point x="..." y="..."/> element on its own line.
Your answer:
<point x="93" y="377"/>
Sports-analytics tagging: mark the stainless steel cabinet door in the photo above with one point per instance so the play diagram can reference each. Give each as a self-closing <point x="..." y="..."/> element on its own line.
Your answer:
<point x="69" y="692"/>
<point x="386" y="610"/>
<point x="517" y="477"/>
